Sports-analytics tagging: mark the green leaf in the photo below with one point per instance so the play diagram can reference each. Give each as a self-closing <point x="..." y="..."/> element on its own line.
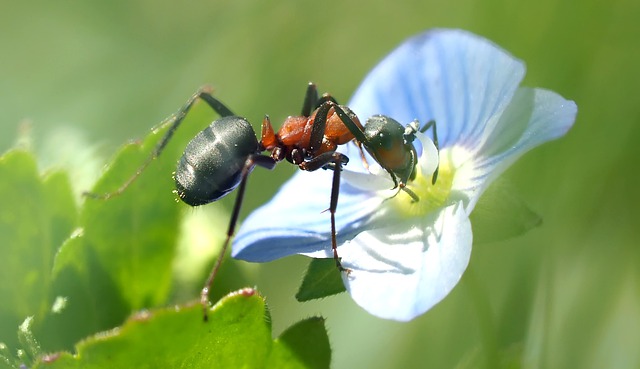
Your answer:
<point x="37" y="214"/>
<point x="303" y="345"/>
<point x="93" y="300"/>
<point x="236" y="335"/>
<point x="7" y="360"/>
<point x="321" y="279"/>
<point x="501" y="214"/>
<point x="31" y="347"/>
<point x="121" y="260"/>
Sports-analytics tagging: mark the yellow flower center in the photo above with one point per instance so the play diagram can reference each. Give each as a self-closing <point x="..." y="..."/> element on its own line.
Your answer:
<point x="431" y="195"/>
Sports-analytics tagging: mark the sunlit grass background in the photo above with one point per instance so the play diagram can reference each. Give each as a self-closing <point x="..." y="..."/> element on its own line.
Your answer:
<point x="565" y="295"/>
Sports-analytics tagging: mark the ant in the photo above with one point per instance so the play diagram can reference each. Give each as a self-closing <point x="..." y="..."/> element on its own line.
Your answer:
<point x="220" y="158"/>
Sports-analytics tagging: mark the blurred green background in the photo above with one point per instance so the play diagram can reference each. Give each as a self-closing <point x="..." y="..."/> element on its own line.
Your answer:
<point x="565" y="295"/>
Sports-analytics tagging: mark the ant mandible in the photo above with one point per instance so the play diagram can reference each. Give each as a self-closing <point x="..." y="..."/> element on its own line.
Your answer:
<point x="220" y="158"/>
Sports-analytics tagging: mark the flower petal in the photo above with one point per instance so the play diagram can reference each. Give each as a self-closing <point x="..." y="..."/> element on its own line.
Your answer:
<point x="402" y="267"/>
<point x="534" y="117"/>
<point x="458" y="79"/>
<point x="295" y="220"/>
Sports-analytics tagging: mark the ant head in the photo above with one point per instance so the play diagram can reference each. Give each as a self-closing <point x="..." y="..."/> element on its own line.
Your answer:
<point x="383" y="133"/>
<point x="391" y="145"/>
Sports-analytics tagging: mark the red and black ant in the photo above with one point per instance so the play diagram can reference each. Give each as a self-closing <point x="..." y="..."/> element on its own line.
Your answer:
<point x="220" y="157"/>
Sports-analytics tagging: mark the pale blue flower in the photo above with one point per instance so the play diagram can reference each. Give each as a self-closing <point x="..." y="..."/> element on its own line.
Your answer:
<point x="406" y="256"/>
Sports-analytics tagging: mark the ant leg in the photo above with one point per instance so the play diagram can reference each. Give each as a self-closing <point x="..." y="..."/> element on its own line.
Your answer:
<point x="403" y="187"/>
<point x="203" y="93"/>
<point x="365" y="163"/>
<point x="325" y="98"/>
<point x="310" y="98"/>
<point x="174" y="120"/>
<point x="357" y="132"/>
<point x="333" y="205"/>
<point x="253" y="160"/>
<point x="434" y="131"/>
<point x="335" y="161"/>
<point x="320" y="122"/>
<point x="318" y="127"/>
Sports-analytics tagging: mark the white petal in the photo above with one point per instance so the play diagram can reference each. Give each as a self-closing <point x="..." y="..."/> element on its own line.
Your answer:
<point x="429" y="157"/>
<point x="457" y="78"/>
<point x="534" y="117"/>
<point x="378" y="181"/>
<point x="403" y="267"/>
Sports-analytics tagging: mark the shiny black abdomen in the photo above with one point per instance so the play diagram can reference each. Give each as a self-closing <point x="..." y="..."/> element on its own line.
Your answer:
<point x="212" y="162"/>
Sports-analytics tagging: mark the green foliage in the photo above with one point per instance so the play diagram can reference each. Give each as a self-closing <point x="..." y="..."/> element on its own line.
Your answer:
<point x="120" y="258"/>
<point x="321" y="279"/>
<point x="77" y="272"/>
<point x="236" y="335"/>
<point x="303" y="345"/>
<point x="36" y="216"/>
